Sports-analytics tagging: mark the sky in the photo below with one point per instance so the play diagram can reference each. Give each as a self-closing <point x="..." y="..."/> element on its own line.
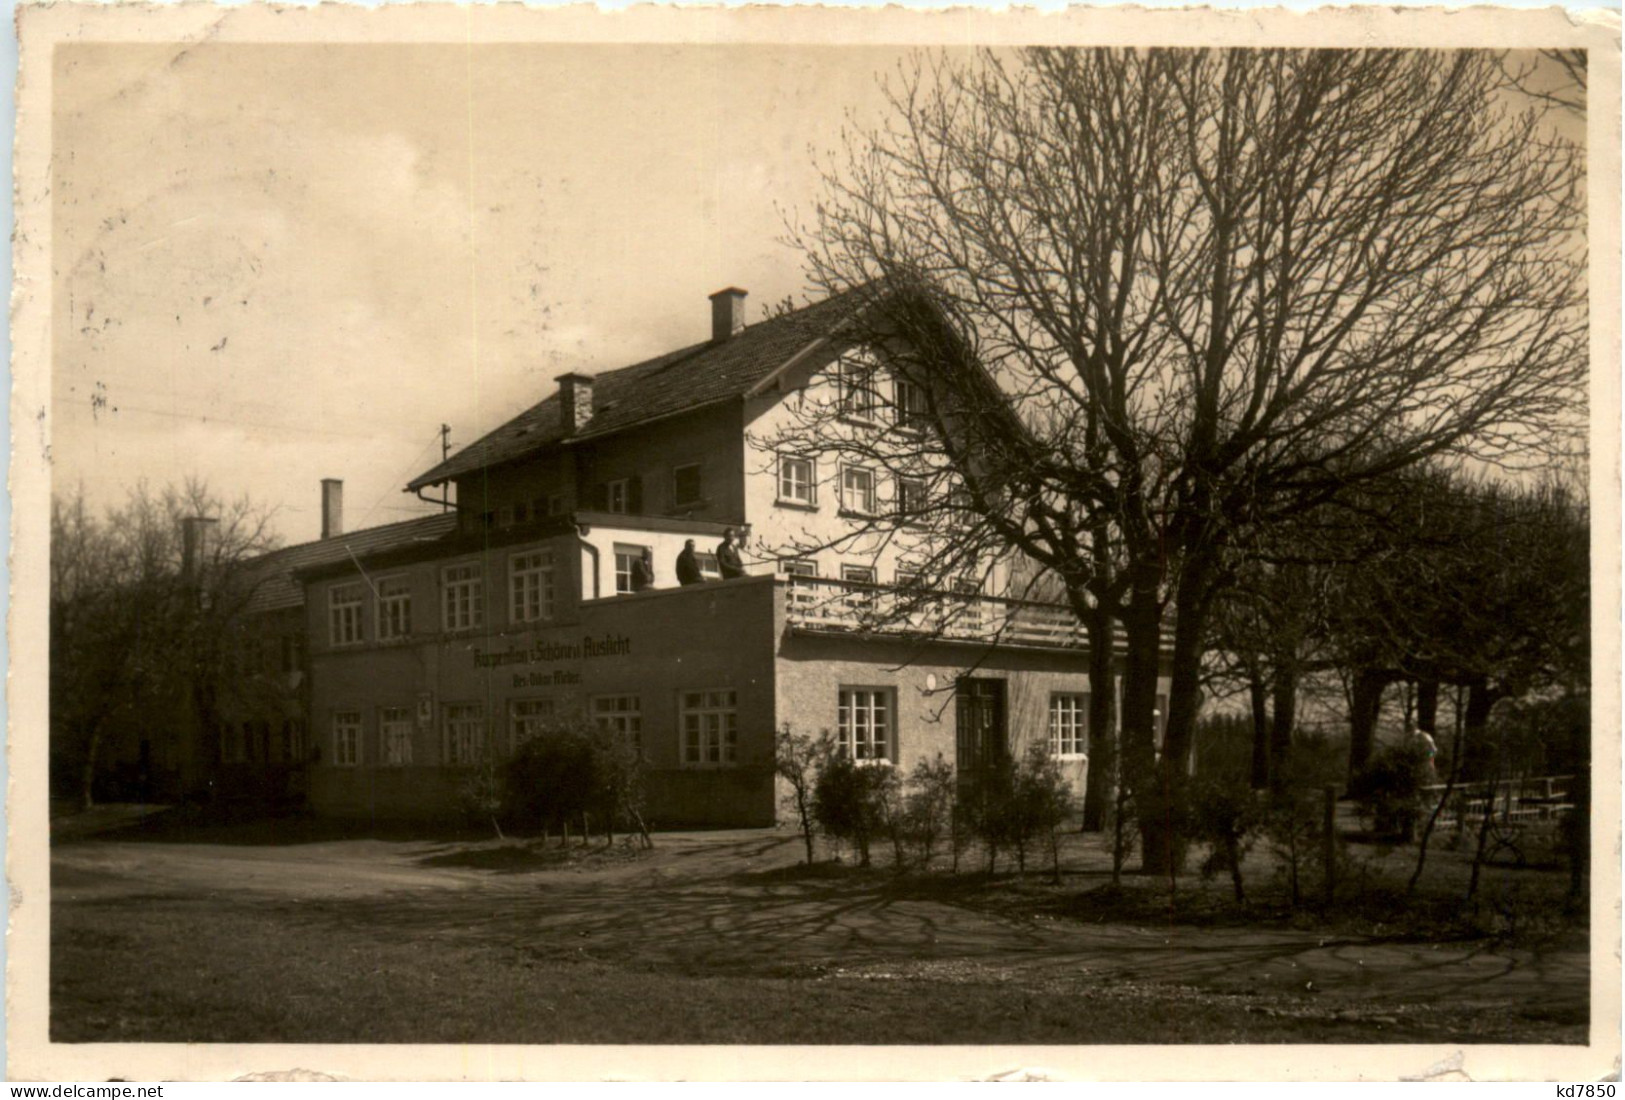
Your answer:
<point x="279" y="263"/>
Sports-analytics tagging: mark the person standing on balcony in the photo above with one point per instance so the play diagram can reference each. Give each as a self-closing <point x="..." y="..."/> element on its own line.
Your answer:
<point x="688" y="565"/>
<point x="728" y="563"/>
<point x="643" y="570"/>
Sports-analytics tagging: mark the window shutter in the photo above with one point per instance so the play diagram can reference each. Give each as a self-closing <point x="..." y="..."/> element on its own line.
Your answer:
<point x="634" y="495"/>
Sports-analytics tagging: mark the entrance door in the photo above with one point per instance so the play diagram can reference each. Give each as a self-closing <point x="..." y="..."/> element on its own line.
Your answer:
<point x="980" y="720"/>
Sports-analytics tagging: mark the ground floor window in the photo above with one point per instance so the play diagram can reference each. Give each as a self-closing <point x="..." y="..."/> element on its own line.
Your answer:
<point x="346" y="738"/>
<point x="465" y="733"/>
<point x="1068" y="724"/>
<point x="864" y="723"/>
<point x="527" y="717"/>
<point x="710" y="724"/>
<point x="293" y="740"/>
<point x="395" y="736"/>
<point x="622" y="714"/>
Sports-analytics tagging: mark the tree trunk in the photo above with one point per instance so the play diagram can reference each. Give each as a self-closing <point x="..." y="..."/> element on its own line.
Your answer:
<point x="1143" y="626"/>
<point x="1167" y="854"/>
<point x="1258" y="692"/>
<point x="1098" y="783"/>
<point x="1478" y="751"/>
<point x="1427" y="707"/>
<point x="1282" y="722"/>
<point x="87" y="776"/>
<point x="1364" y="707"/>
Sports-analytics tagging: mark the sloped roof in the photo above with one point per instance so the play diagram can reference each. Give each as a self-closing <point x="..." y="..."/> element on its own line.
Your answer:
<point x="675" y="382"/>
<point x="275" y="588"/>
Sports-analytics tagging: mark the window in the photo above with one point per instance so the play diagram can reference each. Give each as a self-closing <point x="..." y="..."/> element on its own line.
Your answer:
<point x="796" y="482"/>
<point x="864" y="724"/>
<point x="686" y="487"/>
<point x="626" y="557"/>
<point x="615" y="496"/>
<point x="557" y="504"/>
<point x="527" y="718"/>
<point x="710" y="724"/>
<point x="799" y="567"/>
<point x="803" y="596"/>
<point x="970" y="609"/>
<point x="907" y="577"/>
<point x="293" y="652"/>
<point x="709" y="568"/>
<point x="859" y="600"/>
<point x="505" y="516"/>
<point x="859" y="399"/>
<point x="521" y="511"/>
<point x="344" y="614"/>
<point x="395" y="736"/>
<point x="858" y="490"/>
<point x="1068" y="724"/>
<point x="622" y="714"/>
<point x="394" y="608"/>
<point x="465" y="733"/>
<point x="346" y="738"/>
<point x="911" y="498"/>
<point x="293" y="740"/>
<point x="463" y="597"/>
<point x="530" y="586"/>
<point x="910" y="405"/>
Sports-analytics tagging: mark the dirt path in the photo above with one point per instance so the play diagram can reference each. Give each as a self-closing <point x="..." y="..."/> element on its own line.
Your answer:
<point x="736" y="903"/>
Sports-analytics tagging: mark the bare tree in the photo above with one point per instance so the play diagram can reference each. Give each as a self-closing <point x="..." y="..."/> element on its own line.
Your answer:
<point x="1159" y="301"/>
<point x="147" y="627"/>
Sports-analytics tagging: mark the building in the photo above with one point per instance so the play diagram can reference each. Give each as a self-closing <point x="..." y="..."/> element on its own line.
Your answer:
<point x="434" y="642"/>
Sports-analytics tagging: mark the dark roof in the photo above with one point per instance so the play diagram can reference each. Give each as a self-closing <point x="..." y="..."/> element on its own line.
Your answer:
<point x="675" y="382"/>
<point x="277" y="589"/>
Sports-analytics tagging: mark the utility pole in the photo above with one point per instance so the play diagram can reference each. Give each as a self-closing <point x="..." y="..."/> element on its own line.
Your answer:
<point x="445" y="453"/>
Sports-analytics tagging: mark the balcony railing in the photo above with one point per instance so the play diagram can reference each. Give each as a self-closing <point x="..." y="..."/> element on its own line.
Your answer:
<point x="854" y="607"/>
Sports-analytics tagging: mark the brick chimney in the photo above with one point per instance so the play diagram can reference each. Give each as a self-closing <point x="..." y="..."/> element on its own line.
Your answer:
<point x="332" y="507"/>
<point x="727" y="312"/>
<point x="575" y="402"/>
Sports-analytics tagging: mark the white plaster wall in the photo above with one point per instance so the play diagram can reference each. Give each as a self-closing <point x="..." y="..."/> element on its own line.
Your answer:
<point x="777" y="528"/>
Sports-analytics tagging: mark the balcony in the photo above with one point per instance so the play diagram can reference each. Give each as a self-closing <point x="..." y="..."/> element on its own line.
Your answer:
<point x="827" y="606"/>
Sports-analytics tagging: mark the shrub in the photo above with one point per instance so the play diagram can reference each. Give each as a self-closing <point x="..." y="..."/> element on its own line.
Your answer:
<point x="849" y="801"/>
<point x="799" y="759"/>
<point x="1020" y="803"/>
<point x="1388" y="790"/>
<point x="1225" y="815"/>
<point x="928" y="805"/>
<point x="572" y="768"/>
<point x="480" y="795"/>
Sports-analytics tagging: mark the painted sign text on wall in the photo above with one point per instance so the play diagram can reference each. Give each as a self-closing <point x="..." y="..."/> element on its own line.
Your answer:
<point x="546" y="651"/>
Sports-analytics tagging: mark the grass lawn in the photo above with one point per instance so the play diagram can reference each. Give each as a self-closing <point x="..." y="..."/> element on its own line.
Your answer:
<point x="722" y="938"/>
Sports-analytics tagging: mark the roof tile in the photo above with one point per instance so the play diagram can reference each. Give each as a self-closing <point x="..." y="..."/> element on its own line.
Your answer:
<point x="675" y="382"/>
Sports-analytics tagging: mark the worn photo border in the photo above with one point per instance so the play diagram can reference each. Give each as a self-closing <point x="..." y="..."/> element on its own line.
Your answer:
<point x="31" y="1055"/>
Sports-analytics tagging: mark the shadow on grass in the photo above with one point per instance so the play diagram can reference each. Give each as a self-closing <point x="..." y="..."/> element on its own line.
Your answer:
<point x="517" y="857"/>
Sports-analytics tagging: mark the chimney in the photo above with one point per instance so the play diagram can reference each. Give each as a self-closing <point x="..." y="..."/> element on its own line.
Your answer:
<point x="332" y="507"/>
<point x="575" y="402"/>
<point x="194" y="546"/>
<point x="727" y="312"/>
